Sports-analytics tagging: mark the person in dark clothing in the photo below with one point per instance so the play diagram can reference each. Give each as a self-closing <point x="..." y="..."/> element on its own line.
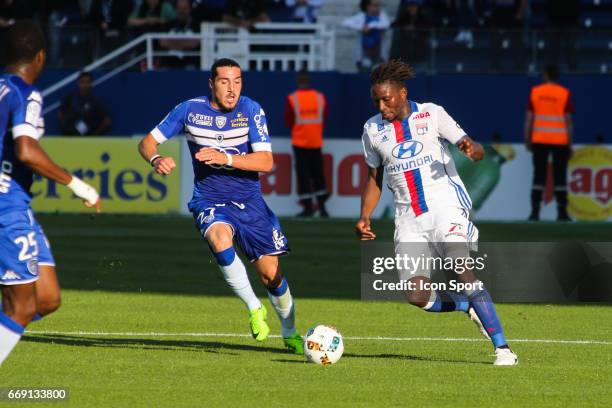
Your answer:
<point x="549" y="132"/>
<point x="110" y="15"/>
<point x="81" y="113"/>
<point x="305" y="115"/>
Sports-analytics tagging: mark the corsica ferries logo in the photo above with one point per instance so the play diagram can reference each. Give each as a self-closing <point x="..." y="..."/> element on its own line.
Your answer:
<point x="590" y="183"/>
<point x="119" y="183"/>
<point x="126" y="183"/>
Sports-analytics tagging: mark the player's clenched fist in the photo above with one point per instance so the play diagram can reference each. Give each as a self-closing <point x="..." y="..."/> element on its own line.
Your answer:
<point x="363" y="230"/>
<point x="471" y="149"/>
<point x="163" y="165"/>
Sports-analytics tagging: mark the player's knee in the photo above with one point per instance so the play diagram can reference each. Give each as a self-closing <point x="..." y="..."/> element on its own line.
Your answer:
<point x="48" y="306"/>
<point x="219" y="237"/>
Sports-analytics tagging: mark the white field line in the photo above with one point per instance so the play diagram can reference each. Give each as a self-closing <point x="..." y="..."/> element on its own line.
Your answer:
<point x="356" y="338"/>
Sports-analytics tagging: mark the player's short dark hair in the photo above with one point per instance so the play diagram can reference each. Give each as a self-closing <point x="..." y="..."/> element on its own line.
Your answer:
<point x="24" y="40"/>
<point x="552" y="72"/>
<point x="394" y="71"/>
<point x="223" y="62"/>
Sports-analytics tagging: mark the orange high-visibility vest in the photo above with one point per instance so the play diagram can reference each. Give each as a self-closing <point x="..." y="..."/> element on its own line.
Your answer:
<point x="308" y="108"/>
<point x="549" y="102"/>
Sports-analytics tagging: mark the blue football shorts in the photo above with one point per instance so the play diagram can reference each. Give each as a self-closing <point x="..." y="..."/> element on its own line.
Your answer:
<point x="23" y="247"/>
<point x="255" y="227"/>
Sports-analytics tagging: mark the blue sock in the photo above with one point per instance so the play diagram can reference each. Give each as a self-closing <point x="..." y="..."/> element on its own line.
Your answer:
<point x="226" y="257"/>
<point x="445" y="301"/>
<point x="36" y="318"/>
<point x="280" y="291"/>
<point x="485" y="309"/>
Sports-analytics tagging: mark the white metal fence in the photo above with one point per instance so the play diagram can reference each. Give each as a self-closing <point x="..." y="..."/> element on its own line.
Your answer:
<point x="270" y="47"/>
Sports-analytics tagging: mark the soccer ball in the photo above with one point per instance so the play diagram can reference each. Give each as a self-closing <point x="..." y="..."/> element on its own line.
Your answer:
<point x="323" y="345"/>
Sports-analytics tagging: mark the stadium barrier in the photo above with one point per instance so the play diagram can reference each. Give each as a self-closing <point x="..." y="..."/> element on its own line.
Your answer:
<point x="499" y="185"/>
<point x="126" y="183"/>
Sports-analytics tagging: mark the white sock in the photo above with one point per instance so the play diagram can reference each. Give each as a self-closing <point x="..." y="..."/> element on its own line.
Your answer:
<point x="236" y="277"/>
<point x="282" y="301"/>
<point x="10" y="333"/>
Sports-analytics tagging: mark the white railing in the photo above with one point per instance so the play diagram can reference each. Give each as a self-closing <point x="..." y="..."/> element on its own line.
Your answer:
<point x="271" y="47"/>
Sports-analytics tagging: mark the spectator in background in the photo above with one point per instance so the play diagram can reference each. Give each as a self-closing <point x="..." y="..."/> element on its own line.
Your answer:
<point x="183" y="24"/>
<point x="464" y="13"/>
<point x="66" y="19"/>
<point x="110" y="16"/>
<point x="549" y="132"/>
<point x="407" y="39"/>
<point x="152" y="15"/>
<point x="245" y="13"/>
<point x="372" y="22"/>
<point x="304" y="11"/>
<point x="81" y="113"/>
<point x="305" y="114"/>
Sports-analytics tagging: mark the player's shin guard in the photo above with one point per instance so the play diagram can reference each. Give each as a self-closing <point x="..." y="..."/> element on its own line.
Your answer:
<point x="236" y="277"/>
<point x="445" y="301"/>
<point x="282" y="301"/>
<point x="10" y="333"/>
<point x="485" y="309"/>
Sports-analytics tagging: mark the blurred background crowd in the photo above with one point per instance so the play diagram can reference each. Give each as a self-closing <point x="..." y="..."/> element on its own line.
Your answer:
<point x="404" y="28"/>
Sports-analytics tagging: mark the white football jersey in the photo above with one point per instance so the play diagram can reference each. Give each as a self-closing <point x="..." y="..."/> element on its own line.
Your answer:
<point x="414" y="153"/>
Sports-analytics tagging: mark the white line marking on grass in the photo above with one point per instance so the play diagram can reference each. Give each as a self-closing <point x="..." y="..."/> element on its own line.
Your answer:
<point x="358" y="338"/>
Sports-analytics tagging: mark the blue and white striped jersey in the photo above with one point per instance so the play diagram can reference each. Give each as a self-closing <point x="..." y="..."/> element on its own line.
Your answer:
<point x="20" y="116"/>
<point x="240" y="131"/>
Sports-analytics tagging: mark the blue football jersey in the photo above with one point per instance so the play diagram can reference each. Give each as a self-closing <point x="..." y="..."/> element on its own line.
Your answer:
<point x="241" y="131"/>
<point x="20" y="115"/>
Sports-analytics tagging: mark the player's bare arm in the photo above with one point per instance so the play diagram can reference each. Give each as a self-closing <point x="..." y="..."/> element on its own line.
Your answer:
<point x="256" y="161"/>
<point x="148" y="150"/>
<point x="29" y="151"/>
<point x="470" y="148"/>
<point x="369" y="199"/>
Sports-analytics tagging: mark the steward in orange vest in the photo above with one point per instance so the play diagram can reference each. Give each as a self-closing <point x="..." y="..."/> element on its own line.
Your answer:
<point x="548" y="132"/>
<point x="305" y="114"/>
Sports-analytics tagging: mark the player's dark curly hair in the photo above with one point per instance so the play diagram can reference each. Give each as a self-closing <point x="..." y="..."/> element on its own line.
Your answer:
<point x="395" y="71"/>
<point x="23" y="41"/>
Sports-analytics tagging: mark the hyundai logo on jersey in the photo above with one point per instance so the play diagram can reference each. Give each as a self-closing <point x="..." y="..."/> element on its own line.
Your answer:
<point x="407" y="149"/>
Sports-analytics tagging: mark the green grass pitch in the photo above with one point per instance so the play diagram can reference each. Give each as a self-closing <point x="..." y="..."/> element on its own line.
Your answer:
<point x="147" y="321"/>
